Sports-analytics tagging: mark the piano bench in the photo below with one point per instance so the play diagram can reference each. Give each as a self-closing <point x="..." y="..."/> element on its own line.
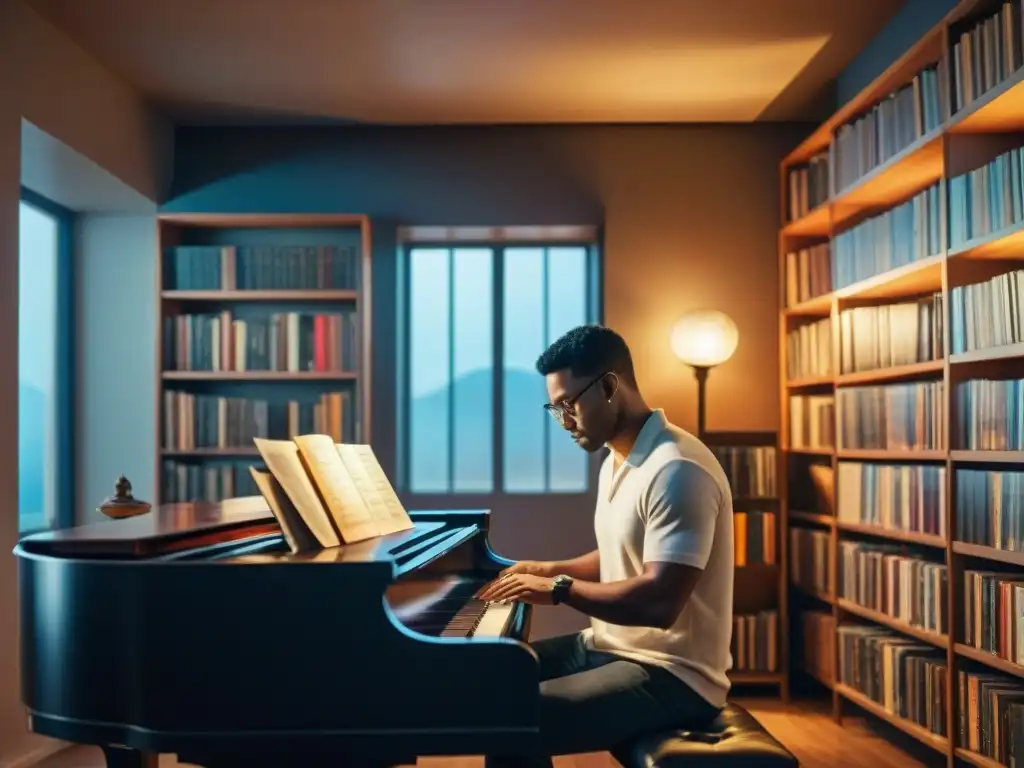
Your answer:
<point x="733" y="740"/>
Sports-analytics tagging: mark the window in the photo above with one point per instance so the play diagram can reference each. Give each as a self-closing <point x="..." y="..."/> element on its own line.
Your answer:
<point x="45" y="482"/>
<point x="476" y="318"/>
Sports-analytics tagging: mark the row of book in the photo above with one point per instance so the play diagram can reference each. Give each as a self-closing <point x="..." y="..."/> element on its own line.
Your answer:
<point x="808" y="186"/>
<point x="902" y="235"/>
<point x="809" y="350"/>
<point x="890" y="126"/>
<point x="990" y="718"/>
<point x="280" y="341"/>
<point x="751" y="469"/>
<point x="212" y="481"/>
<point x="871" y="338"/>
<point x="754" y="538"/>
<point x="895" y="417"/>
<point x="810" y="560"/>
<point x="808" y="273"/>
<point x="906" y="677"/>
<point x="812" y="422"/>
<point x="988" y="415"/>
<point x="986" y="199"/>
<point x="986" y="53"/>
<point x="193" y="421"/>
<point x="261" y="268"/>
<point x="990" y="508"/>
<point x="755" y="642"/>
<point x="904" y="497"/>
<point x="889" y="579"/>
<point x="994" y="614"/>
<point x="987" y="314"/>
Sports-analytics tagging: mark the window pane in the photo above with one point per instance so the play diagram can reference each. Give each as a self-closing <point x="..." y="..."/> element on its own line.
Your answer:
<point x="567" y="308"/>
<point x="524" y="338"/>
<point x="38" y="261"/>
<point x="429" y="360"/>
<point x="473" y="350"/>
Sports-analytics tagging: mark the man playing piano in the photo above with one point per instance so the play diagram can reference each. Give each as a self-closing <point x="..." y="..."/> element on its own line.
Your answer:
<point x="658" y="588"/>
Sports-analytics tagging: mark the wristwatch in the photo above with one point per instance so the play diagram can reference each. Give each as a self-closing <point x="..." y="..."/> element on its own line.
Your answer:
<point x="560" y="588"/>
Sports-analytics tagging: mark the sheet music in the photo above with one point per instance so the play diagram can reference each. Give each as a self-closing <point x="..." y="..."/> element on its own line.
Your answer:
<point x="340" y="494"/>
<point x="298" y="535"/>
<point x="282" y="458"/>
<point x="364" y="468"/>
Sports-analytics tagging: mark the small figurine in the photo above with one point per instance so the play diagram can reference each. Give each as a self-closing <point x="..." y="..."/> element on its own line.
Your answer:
<point x="122" y="504"/>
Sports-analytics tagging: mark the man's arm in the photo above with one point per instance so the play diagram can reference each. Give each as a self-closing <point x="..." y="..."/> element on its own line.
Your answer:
<point x="681" y="513"/>
<point x="587" y="567"/>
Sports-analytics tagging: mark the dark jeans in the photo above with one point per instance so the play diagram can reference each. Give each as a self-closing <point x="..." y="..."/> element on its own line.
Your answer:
<point x="592" y="701"/>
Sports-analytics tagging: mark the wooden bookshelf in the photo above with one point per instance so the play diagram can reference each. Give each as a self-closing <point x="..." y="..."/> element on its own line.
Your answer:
<point x="260" y="277"/>
<point x="958" y="133"/>
<point x="751" y="462"/>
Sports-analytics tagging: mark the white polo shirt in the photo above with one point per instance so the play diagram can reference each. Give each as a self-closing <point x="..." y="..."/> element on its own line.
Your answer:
<point x="670" y="502"/>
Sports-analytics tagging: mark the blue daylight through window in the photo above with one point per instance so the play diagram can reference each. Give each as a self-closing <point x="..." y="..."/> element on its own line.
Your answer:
<point x="475" y="313"/>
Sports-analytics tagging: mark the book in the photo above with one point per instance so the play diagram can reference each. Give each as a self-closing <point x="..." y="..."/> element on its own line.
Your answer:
<point x="297" y="534"/>
<point x="338" y="490"/>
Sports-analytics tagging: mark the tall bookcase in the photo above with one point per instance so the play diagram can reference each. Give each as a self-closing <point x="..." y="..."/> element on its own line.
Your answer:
<point x="264" y="329"/>
<point x="903" y="444"/>
<point x="759" y="640"/>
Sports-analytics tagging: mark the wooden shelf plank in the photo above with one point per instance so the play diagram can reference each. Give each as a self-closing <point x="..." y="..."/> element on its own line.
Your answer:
<point x="904" y="174"/>
<point x="987" y="457"/>
<point x="1006" y="243"/>
<point x="868" y="454"/>
<point x="890" y="374"/>
<point x="811" y="517"/>
<point x="815" y="224"/>
<point x="810" y="381"/>
<point x="1005" y="352"/>
<point x="812" y="451"/>
<point x="1000" y="110"/>
<point x="975" y="759"/>
<point x="755" y="678"/>
<point x="988" y="553"/>
<point x="264" y="220"/>
<point x="210" y="452"/>
<point x="877" y="617"/>
<point x="989" y="660"/>
<point x="259" y="376"/>
<point x="819" y="306"/>
<point x="910" y="537"/>
<point x="923" y="735"/>
<point x="296" y="295"/>
<point x="921" y="276"/>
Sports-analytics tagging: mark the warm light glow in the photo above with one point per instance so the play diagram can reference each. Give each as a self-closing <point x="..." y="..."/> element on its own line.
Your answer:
<point x="705" y="338"/>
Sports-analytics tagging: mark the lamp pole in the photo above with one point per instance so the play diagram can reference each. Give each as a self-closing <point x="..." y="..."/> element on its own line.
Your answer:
<point x="700" y="372"/>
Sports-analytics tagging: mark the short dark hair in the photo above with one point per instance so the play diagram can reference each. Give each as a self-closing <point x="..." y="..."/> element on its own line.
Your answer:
<point x="588" y="350"/>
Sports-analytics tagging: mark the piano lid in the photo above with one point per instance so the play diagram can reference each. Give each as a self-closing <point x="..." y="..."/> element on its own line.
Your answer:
<point x="166" y="529"/>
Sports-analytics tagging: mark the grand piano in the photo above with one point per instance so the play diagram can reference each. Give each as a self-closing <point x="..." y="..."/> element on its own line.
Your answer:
<point x="193" y="630"/>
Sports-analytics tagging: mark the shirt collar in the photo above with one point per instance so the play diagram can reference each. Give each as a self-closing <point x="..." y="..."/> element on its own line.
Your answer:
<point x="646" y="438"/>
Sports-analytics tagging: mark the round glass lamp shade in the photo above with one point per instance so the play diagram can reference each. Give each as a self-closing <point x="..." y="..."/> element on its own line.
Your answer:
<point x="705" y="338"/>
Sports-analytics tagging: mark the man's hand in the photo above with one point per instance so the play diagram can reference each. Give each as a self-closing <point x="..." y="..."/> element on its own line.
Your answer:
<point x="531" y="567"/>
<point x="524" y="587"/>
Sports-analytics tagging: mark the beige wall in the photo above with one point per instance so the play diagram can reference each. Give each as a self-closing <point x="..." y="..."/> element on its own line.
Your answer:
<point x="50" y="81"/>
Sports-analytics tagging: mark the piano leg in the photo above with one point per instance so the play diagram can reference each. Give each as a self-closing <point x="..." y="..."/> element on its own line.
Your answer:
<point x="123" y="757"/>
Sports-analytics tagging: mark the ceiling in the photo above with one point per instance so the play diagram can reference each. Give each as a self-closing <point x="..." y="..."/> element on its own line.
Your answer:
<point x="475" y="61"/>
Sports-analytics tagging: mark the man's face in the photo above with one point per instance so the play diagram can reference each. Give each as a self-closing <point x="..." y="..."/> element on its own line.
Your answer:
<point x="581" y="405"/>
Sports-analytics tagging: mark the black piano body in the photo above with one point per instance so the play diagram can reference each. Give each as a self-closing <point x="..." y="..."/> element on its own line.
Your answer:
<point x="193" y="631"/>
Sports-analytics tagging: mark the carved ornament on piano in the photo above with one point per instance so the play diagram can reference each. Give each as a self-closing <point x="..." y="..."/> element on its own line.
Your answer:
<point x="122" y="504"/>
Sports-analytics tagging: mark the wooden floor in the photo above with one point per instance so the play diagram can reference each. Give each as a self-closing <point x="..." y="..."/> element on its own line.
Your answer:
<point x="804" y="727"/>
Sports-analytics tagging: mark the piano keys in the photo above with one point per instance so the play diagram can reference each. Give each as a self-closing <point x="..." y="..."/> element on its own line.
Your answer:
<point x="194" y="631"/>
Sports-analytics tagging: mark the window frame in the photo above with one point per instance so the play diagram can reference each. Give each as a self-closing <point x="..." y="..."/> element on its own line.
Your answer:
<point x="594" y="292"/>
<point x="66" y="362"/>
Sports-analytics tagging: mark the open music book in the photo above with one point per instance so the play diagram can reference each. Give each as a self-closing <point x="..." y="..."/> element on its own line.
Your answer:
<point x="325" y="494"/>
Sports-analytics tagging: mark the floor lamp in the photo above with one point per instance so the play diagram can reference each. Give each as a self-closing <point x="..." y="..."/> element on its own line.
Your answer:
<point x="702" y="340"/>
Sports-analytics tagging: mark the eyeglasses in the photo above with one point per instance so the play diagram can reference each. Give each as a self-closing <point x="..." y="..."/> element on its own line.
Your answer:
<point x="566" y="408"/>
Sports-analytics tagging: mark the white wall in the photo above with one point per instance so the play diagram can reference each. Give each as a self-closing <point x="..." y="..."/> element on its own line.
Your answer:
<point x="48" y="80"/>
